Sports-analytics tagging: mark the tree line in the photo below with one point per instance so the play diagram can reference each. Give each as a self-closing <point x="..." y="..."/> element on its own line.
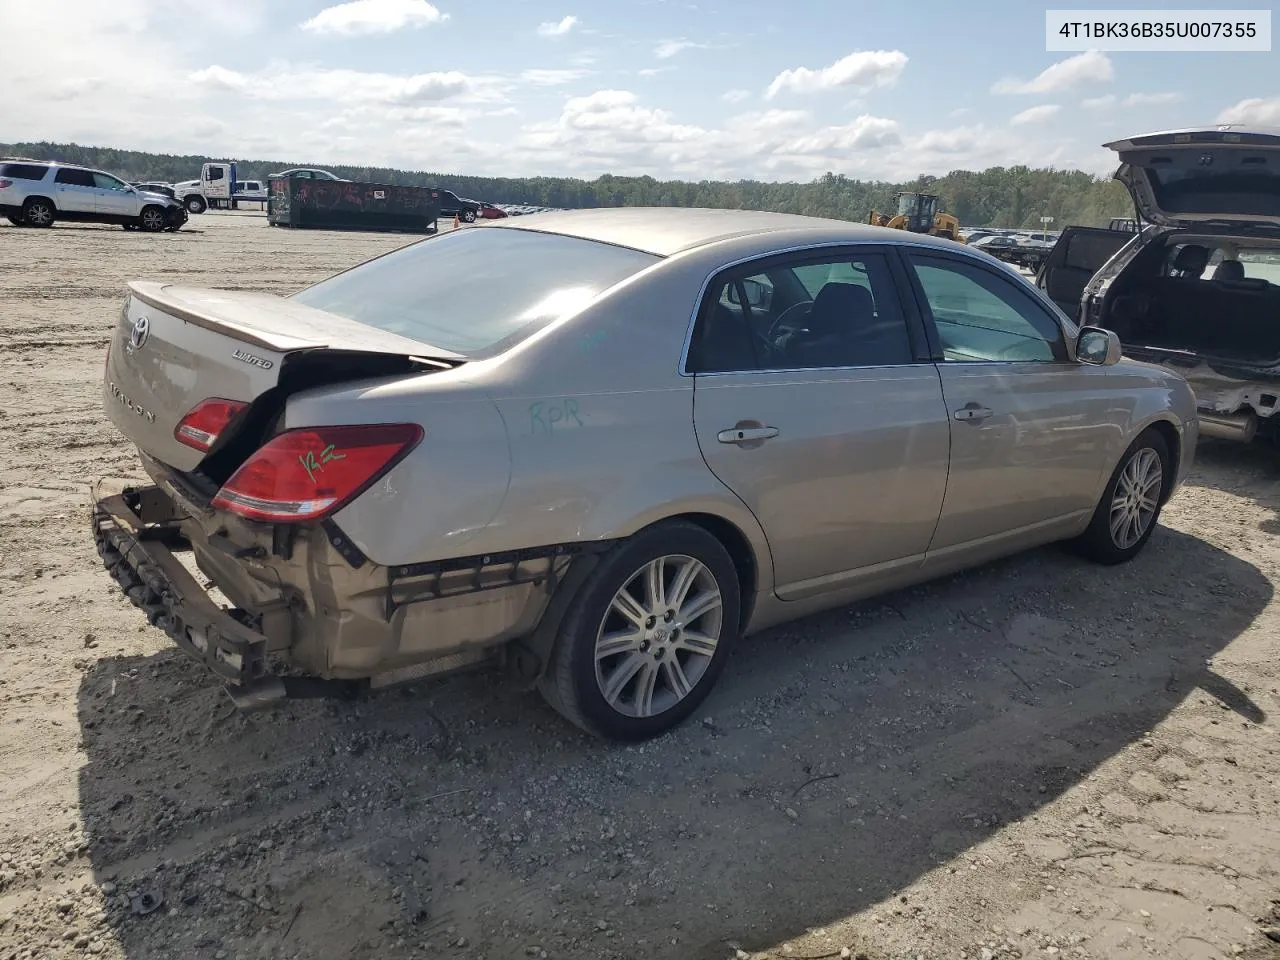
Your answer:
<point x="996" y="197"/>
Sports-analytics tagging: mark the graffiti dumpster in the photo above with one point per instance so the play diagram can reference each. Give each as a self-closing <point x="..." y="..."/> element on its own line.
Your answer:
<point x="348" y="205"/>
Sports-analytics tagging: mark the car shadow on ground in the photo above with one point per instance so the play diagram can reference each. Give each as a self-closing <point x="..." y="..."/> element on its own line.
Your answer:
<point x="841" y="758"/>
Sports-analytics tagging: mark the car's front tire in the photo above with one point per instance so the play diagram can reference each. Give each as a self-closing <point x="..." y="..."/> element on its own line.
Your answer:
<point x="1131" y="502"/>
<point x="38" y="213"/>
<point x="153" y="219"/>
<point x="647" y="635"/>
<point x="468" y="216"/>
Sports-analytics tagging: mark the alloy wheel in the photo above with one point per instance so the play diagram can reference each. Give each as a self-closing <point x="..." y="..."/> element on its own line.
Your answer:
<point x="658" y="636"/>
<point x="1136" y="498"/>
<point x="39" y="215"/>
<point x="152" y="219"/>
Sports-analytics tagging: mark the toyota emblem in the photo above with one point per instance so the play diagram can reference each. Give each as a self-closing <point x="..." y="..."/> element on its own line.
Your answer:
<point x="138" y="335"/>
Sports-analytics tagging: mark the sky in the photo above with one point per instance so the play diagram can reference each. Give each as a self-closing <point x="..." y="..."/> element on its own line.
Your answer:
<point x="687" y="89"/>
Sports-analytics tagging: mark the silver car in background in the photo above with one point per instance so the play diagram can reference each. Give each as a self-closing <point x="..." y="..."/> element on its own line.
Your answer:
<point x="600" y="446"/>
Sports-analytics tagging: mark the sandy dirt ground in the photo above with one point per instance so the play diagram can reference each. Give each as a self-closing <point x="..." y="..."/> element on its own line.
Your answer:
<point x="1038" y="758"/>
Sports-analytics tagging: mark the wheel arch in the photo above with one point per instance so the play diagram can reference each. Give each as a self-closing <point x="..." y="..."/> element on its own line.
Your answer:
<point x="1173" y="440"/>
<point x="39" y="196"/>
<point x="742" y="553"/>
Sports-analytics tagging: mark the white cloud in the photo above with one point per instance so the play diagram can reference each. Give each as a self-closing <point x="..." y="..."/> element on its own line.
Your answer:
<point x="1260" y="110"/>
<point x="864" y="133"/>
<point x="669" y="48"/>
<point x="960" y="111"/>
<point x="735" y="96"/>
<point x="552" y="78"/>
<point x="1083" y="68"/>
<point x="1110" y="100"/>
<point x="614" y="130"/>
<point x="1149" y="99"/>
<point x="557" y="28"/>
<point x="367" y="17"/>
<point x="1035" y="114"/>
<point x="298" y="83"/>
<point x="863" y="70"/>
<point x="654" y="71"/>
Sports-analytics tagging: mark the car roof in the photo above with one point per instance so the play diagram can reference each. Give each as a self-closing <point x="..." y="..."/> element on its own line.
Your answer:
<point x="664" y="231"/>
<point x="53" y="163"/>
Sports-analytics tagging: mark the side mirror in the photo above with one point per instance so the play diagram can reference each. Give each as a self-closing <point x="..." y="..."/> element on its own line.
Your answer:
<point x="1100" y="347"/>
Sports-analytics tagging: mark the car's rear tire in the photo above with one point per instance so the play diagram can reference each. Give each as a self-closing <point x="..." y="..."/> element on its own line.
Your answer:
<point x="195" y="204"/>
<point x="38" y="212"/>
<point x="1131" y="502"/>
<point x="647" y="635"/>
<point x="153" y="219"/>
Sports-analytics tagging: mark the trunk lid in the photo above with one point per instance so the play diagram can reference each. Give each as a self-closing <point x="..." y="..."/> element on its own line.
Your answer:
<point x="176" y="346"/>
<point x="1228" y="174"/>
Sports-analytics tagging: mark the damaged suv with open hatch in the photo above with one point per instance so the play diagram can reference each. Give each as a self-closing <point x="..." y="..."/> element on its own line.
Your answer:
<point x="1197" y="289"/>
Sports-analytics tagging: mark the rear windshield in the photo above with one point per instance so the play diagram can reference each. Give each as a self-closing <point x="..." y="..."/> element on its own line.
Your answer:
<point x="476" y="291"/>
<point x="23" y="171"/>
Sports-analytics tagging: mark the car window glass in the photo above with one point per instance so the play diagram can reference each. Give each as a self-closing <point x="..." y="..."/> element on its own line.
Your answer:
<point x="23" y="171"/>
<point x="804" y="314"/>
<point x="1261" y="265"/>
<point x="427" y="290"/>
<point x="107" y="182"/>
<point x="75" y="178"/>
<point x="215" y="173"/>
<point x="981" y="316"/>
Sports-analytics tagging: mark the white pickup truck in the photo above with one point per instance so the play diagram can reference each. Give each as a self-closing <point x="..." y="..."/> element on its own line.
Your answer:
<point x="219" y="188"/>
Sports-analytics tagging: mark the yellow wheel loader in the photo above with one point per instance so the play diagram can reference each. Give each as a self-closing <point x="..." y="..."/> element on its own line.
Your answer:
<point x="918" y="212"/>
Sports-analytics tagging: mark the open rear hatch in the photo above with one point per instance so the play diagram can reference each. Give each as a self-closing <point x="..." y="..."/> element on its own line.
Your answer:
<point x="1226" y="174"/>
<point x="190" y="370"/>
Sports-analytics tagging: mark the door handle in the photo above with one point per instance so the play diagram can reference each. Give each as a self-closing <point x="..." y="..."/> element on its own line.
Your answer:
<point x="746" y="434"/>
<point x="973" y="413"/>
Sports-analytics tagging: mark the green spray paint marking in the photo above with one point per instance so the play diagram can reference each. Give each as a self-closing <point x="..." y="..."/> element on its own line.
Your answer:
<point x="311" y="464"/>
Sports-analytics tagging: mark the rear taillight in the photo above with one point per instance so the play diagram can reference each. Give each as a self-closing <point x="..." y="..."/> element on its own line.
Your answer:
<point x="5" y="183"/>
<point x="201" y="427"/>
<point x="307" y="473"/>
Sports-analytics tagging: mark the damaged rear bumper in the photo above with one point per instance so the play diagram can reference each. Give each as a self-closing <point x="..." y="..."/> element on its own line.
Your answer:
<point x="1233" y="402"/>
<point x="140" y="557"/>
<point x="307" y="599"/>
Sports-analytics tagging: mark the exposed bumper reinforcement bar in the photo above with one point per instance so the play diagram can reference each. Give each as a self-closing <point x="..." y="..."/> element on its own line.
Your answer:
<point x="138" y="556"/>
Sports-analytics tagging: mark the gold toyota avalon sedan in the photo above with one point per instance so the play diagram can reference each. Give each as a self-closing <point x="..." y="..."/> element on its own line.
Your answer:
<point x="597" y="447"/>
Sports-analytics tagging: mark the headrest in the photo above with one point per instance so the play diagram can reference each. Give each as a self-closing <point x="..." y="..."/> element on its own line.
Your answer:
<point x="838" y="305"/>
<point x="1229" y="270"/>
<point x="1192" y="258"/>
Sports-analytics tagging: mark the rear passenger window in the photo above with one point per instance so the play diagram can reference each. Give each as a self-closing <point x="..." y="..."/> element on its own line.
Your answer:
<point x="23" y="171"/>
<point x="75" y="178"/>
<point x="802" y="313"/>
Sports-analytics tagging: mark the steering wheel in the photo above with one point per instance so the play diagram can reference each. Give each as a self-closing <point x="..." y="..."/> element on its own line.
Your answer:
<point x="779" y="323"/>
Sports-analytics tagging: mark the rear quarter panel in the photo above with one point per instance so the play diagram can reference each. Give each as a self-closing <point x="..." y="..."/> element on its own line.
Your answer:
<point x="583" y="432"/>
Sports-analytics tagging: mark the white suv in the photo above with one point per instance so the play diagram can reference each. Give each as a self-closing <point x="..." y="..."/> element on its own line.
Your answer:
<point x="35" y="193"/>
